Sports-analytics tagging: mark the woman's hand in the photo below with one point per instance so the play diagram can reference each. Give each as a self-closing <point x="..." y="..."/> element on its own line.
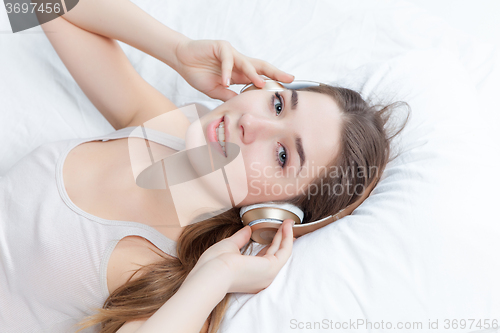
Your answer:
<point x="249" y="274"/>
<point x="211" y="65"/>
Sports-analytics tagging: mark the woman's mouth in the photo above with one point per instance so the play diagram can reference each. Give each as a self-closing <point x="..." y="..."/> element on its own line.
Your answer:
<point x="221" y="136"/>
<point x="217" y="133"/>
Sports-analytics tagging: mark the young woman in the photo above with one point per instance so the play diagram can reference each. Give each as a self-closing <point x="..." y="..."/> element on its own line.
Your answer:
<point x="95" y="239"/>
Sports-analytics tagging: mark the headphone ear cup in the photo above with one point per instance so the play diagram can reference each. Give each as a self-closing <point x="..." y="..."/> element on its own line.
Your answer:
<point x="266" y="218"/>
<point x="264" y="234"/>
<point x="270" y="212"/>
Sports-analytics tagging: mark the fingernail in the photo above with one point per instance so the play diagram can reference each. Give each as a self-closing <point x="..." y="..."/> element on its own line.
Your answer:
<point x="228" y="82"/>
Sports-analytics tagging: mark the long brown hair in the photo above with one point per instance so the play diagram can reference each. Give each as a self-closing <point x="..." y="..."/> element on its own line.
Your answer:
<point x="365" y="145"/>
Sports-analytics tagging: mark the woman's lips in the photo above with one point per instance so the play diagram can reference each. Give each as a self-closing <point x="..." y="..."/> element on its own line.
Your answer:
<point x="226" y="131"/>
<point x="212" y="134"/>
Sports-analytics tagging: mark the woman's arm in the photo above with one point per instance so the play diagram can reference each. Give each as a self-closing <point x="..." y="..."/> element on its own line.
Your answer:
<point x="209" y="66"/>
<point x="84" y="40"/>
<point x="220" y="270"/>
<point x="126" y="22"/>
<point x="105" y="75"/>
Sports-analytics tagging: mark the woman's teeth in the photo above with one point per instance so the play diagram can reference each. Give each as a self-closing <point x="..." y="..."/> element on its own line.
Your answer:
<point x="221" y="136"/>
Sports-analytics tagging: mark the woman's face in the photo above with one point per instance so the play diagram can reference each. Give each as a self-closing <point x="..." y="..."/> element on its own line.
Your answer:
<point x="285" y="140"/>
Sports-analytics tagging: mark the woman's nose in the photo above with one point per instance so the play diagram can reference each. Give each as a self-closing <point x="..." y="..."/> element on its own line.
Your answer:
<point x="253" y="127"/>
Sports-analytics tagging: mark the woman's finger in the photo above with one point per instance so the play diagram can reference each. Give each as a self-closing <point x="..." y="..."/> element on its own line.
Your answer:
<point x="285" y="249"/>
<point x="276" y="242"/>
<point x="263" y="251"/>
<point x="227" y="60"/>
<point x="241" y="237"/>
<point x="249" y="71"/>
<point x="265" y="68"/>
<point x="221" y="93"/>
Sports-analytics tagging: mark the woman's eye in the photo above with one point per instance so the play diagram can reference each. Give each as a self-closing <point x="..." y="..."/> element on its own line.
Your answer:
<point x="281" y="155"/>
<point x="278" y="103"/>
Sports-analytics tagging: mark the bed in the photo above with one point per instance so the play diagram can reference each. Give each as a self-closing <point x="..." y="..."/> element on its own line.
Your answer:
<point x="421" y="253"/>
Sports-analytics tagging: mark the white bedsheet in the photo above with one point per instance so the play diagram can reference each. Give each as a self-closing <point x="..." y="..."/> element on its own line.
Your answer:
<point x="424" y="247"/>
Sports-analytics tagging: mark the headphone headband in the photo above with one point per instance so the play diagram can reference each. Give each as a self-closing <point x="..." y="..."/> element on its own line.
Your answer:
<point x="272" y="85"/>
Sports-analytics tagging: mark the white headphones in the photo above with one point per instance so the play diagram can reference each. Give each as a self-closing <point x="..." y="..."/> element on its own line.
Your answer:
<point x="266" y="218"/>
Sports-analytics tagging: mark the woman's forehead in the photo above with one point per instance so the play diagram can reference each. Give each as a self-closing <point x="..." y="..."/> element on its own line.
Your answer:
<point x="319" y="124"/>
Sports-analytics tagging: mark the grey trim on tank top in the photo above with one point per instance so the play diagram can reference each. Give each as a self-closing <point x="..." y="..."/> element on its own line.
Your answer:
<point x="153" y="135"/>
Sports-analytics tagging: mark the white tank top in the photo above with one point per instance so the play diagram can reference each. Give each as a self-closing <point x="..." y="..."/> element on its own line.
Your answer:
<point x="53" y="255"/>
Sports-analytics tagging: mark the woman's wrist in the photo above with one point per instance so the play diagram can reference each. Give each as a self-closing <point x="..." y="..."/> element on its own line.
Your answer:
<point x="167" y="50"/>
<point x="187" y="310"/>
<point x="215" y="270"/>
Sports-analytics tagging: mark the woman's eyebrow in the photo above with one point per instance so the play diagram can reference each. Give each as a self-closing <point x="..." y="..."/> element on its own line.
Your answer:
<point x="300" y="151"/>
<point x="295" y="99"/>
<point x="298" y="140"/>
